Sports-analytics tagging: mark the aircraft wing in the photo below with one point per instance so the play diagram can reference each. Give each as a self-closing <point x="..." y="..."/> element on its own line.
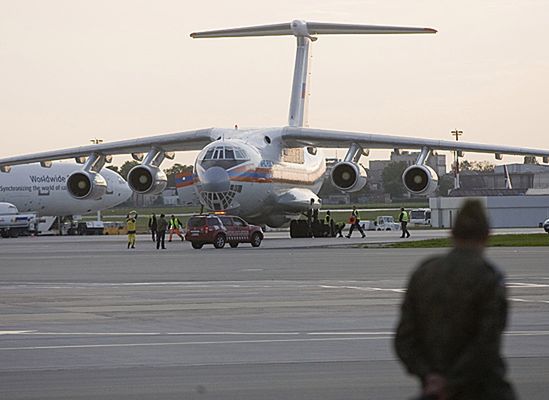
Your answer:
<point x="180" y="141"/>
<point x="297" y="136"/>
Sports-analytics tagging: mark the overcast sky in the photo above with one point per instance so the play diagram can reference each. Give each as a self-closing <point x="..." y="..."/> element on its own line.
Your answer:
<point x="75" y="70"/>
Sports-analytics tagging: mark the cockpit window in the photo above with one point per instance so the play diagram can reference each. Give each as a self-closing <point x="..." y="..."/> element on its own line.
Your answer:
<point x="208" y="155"/>
<point x="219" y="153"/>
<point x="225" y="156"/>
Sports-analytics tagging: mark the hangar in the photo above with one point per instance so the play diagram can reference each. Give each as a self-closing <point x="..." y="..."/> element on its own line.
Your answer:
<point x="518" y="211"/>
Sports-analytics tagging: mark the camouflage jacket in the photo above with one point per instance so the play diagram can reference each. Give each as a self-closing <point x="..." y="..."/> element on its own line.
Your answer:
<point x="452" y="319"/>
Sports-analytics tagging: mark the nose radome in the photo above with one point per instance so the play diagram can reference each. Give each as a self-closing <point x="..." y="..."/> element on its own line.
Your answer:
<point x="215" y="179"/>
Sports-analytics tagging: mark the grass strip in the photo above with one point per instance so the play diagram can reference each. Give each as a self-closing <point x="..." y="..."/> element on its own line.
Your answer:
<point x="511" y="240"/>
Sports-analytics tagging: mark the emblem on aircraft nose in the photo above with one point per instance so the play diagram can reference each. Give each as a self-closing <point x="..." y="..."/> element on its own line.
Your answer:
<point x="215" y="179"/>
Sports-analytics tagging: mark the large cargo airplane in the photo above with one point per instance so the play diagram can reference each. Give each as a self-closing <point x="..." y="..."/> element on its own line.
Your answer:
<point x="32" y="188"/>
<point x="267" y="175"/>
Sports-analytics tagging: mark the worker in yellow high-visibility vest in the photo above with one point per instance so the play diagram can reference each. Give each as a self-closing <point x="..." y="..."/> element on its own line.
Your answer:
<point x="131" y="225"/>
<point x="404" y="218"/>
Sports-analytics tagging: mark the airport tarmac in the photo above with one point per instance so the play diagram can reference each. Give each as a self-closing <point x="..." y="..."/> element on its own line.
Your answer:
<point x="83" y="317"/>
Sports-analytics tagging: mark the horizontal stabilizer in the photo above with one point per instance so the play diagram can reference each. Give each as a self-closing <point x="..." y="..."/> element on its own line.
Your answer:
<point x="303" y="28"/>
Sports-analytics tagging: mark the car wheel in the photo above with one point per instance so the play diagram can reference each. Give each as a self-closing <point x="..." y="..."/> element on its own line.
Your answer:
<point x="219" y="241"/>
<point x="197" y="245"/>
<point x="256" y="239"/>
<point x="233" y="244"/>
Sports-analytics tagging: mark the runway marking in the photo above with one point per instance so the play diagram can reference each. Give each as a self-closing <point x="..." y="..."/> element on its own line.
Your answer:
<point x="73" y="285"/>
<point x="215" y="284"/>
<point x="526" y="285"/>
<point x="38" y="333"/>
<point x="259" y="341"/>
<point x="528" y="301"/>
<point x="357" y="336"/>
<point x="513" y="285"/>
<point x="365" y="289"/>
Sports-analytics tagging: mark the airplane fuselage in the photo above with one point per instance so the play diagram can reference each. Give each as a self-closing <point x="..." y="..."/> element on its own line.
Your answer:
<point x="252" y="173"/>
<point x="32" y="188"/>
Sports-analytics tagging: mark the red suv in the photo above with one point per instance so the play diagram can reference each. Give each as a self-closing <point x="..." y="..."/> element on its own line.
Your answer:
<point x="220" y="229"/>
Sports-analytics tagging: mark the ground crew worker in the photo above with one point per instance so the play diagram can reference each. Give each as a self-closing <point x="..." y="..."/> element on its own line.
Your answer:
<point x="354" y="220"/>
<point x="131" y="226"/>
<point x="404" y="218"/>
<point x="453" y="316"/>
<point x="161" y="226"/>
<point x="310" y="212"/>
<point x="152" y="226"/>
<point x="328" y="220"/>
<point x="339" y="229"/>
<point x="175" y="226"/>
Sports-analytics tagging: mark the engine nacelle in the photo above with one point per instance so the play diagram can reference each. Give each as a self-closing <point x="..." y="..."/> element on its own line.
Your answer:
<point x="349" y="177"/>
<point x="86" y="185"/>
<point x="147" y="179"/>
<point x="420" y="179"/>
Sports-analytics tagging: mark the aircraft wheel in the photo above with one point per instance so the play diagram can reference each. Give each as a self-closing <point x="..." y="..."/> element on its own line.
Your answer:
<point x="197" y="245"/>
<point x="293" y="228"/>
<point x="256" y="239"/>
<point x="233" y="244"/>
<point x="219" y="241"/>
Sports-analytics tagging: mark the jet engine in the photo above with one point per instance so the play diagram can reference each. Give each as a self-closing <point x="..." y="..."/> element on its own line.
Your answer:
<point x="420" y="179"/>
<point x="147" y="179"/>
<point x="348" y="176"/>
<point x="86" y="185"/>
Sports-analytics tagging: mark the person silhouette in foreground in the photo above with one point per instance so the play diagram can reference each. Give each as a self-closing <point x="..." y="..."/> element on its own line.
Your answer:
<point x="453" y="316"/>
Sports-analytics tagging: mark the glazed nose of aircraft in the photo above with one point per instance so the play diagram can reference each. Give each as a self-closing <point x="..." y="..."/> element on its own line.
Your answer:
<point x="215" y="179"/>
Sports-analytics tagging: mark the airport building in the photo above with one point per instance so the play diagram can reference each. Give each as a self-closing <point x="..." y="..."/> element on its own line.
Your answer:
<point x="523" y="211"/>
<point x="526" y="205"/>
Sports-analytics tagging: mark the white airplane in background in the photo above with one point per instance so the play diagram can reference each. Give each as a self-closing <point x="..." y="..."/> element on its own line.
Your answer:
<point x="32" y="188"/>
<point x="270" y="175"/>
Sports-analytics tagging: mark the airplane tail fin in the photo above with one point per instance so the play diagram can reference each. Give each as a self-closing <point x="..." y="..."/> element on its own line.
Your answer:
<point x="305" y="32"/>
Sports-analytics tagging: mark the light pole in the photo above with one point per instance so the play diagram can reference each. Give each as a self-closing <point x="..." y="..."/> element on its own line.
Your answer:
<point x="457" y="134"/>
